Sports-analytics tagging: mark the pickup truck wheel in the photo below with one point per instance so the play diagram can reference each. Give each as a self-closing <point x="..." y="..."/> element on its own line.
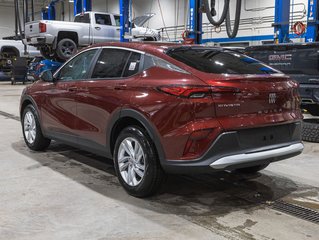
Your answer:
<point x="47" y="53"/>
<point x="66" y="48"/>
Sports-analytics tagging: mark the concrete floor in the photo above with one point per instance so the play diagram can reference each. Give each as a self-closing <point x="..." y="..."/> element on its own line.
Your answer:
<point x="65" y="193"/>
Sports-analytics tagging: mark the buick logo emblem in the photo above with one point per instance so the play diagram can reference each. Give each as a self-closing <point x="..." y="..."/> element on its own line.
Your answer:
<point x="272" y="98"/>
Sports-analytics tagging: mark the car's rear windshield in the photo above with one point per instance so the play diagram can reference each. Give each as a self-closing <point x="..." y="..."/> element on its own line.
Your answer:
<point x="213" y="60"/>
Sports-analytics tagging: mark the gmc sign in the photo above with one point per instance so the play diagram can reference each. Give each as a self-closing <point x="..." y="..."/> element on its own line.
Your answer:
<point x="280" y="57"/>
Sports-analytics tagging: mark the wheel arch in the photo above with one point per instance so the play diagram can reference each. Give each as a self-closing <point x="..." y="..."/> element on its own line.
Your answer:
<point x="68" y="34"/>
<point x="128" y="117"/>
<point x="27" y="100"/>
<point x="10" y="49"/>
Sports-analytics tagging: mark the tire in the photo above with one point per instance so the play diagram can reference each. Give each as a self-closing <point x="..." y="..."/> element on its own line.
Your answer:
<point x="251" y="170"/>
<point x="47" y="53"/>
<point x="142" y="161"/>
<point x="66" y="48"/>
<point x="310" y="130"/>
<point x="33" y="137"/>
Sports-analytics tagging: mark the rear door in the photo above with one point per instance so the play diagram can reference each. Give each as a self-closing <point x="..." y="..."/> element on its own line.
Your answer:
<point x="101" y="97"/>
<point x="104" y="29"/>
<point x="84" y="19"/>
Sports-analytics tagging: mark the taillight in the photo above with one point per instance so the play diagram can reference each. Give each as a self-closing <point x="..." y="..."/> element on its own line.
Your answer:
<point x="195" y="91"/>
<point x="186" y="91"/>
<point x="42" y="27"/>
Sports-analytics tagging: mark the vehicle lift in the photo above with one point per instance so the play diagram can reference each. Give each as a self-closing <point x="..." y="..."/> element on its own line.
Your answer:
<point x="282" y="17"/>
<point x="195" y="20"/>
<point x="312" y="21"/>
<point x="281" y="24"/>
<point x="49" y="13"/>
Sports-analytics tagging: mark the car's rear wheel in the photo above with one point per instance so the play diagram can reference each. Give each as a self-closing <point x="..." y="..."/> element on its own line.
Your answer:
<point x="136" y="162"/>
<point x="253" y="169"/>
<point x="32" y="133"/>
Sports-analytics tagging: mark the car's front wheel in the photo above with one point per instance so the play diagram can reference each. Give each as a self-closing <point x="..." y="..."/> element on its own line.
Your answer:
<point x="32" y="133"/>
<point x="136" y="162"/>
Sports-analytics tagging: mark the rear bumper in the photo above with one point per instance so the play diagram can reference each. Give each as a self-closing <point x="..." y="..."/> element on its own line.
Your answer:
<point x="40" y="40"/>
<point x="254" y="157"/>
<point x="244" y="148"/>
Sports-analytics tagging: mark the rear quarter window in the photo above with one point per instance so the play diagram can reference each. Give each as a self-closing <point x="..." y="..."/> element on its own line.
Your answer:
<point x="220" y="61"/>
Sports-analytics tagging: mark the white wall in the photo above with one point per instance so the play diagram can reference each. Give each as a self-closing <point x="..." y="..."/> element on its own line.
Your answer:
<point x="6" y="21"/>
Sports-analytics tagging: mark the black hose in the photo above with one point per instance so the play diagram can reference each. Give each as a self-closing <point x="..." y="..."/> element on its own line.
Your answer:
<point x="232" y="33"/>
<point x="212" y="12"/>
<point x="15" y="20"/>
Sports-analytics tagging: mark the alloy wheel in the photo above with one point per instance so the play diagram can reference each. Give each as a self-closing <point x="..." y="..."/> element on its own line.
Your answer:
<point x="29" y="127"/>
<point x="68" y="49"/>
<point x="131" y="161"/>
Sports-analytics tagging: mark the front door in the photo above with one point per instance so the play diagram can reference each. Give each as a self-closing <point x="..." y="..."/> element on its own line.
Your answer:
<point x="59" y="109"/>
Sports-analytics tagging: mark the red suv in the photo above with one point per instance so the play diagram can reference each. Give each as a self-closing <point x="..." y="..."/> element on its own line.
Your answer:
<point x="157" y="108"/>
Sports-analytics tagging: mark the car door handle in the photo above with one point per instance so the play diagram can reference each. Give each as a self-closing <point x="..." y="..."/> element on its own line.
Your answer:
<point x="97" y="28"/>
<point x="120" y="87"/>
<point x="72" y="89"/>
<point x="118" y="29"/>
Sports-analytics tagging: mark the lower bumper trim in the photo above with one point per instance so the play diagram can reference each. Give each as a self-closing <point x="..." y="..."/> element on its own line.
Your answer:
<point x="228" y="161"/>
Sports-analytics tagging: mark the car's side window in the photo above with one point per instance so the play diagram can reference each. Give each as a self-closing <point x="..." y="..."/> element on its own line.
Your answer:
<point x="133" y="64"/>
<point x="78" y="67"/>
<point x="110" y="63"/>
<point x="103" y="19"/>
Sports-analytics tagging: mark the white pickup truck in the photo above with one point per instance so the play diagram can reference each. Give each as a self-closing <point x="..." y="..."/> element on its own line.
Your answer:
<point x="60" y="39"/>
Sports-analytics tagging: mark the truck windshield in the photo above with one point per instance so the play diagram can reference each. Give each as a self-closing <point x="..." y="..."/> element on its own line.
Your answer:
<point x="213" y="60"/>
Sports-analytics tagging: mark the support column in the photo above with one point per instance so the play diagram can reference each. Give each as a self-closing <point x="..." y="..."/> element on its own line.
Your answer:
<point x="281" y="25"/>
<point x="312" y="21"/>
<point x="51" y="11"/>
<point x="124" y="19"/>
<point x="82" y="6"/>
<point x="195" y="21"/>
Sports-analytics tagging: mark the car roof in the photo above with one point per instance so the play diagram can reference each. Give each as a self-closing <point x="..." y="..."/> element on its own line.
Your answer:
<point x="152" y="47"/>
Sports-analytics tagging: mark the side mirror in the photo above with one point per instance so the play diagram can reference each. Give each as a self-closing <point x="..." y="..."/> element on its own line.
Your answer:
<point x="47" y="76"/>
